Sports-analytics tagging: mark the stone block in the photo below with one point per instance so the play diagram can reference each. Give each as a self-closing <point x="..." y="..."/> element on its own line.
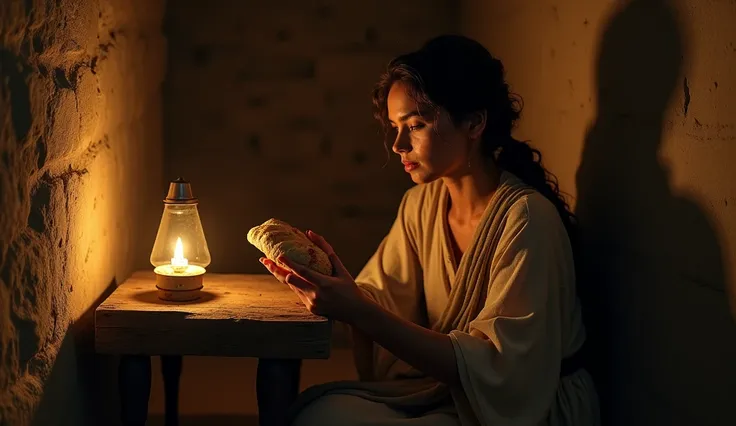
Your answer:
<point x="75" y="146"/>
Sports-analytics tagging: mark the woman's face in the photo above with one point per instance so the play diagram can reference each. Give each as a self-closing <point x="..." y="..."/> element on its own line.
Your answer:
<point x="428" y="142"/>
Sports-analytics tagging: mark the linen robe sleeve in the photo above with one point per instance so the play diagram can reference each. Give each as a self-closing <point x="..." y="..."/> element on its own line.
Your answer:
<point x="509" y="360"/>
<point x="392" y="277"/>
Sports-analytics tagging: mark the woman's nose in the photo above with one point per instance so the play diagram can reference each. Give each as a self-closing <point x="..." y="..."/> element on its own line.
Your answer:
<point x="401" y="143"/>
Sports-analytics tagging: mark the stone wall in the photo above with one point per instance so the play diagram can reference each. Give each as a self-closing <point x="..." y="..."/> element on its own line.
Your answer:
<point x="633" y="106"/>
<point x="80" y="190"/>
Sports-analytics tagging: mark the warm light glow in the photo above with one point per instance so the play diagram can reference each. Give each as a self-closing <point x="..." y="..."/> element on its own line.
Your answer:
<point x="179" y="260"/>
<point x="179" y="266"/>
<point x="179" y="271"/>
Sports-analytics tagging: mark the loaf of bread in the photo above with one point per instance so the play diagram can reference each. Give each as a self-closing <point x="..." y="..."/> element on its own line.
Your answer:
<point x="277" y="238"/>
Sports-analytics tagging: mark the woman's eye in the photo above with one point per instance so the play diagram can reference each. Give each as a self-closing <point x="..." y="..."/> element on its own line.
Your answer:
<point x="415" y="127"/>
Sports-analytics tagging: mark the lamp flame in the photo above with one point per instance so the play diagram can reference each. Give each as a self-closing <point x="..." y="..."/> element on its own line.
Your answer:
<point x="179" y="250"/>
<point x="179" y="262"/>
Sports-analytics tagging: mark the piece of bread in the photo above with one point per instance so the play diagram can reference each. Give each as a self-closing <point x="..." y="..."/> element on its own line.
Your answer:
<point x="276" y="238"/>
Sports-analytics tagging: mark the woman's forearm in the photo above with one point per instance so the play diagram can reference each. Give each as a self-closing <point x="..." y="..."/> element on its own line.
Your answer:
<point x="425" y="350"/>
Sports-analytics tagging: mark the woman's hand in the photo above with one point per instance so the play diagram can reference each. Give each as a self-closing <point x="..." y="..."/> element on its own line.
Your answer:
<point x="336" y="297"/>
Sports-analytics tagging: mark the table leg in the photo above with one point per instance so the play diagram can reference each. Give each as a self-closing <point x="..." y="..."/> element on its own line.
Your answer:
<point x="171" y="372"/>
<point x="277" y="386"/>
<point x="134" y="385"/>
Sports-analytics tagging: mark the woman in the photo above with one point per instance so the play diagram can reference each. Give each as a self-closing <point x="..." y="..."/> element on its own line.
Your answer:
<point x="467" y="313"/>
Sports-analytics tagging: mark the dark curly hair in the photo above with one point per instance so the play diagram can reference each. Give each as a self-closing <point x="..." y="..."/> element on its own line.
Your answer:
<point x="458" y="74"/>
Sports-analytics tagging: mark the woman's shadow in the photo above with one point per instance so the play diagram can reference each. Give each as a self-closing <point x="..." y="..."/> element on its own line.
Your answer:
<point x="652" y="273"/>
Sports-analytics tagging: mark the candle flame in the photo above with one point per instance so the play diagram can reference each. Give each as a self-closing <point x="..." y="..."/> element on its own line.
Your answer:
<point x="179" y="250"/>
<point x="179" y="262"/>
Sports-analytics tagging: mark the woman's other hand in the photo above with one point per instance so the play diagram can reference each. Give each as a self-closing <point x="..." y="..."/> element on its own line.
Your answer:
<point x="336" y="297"/>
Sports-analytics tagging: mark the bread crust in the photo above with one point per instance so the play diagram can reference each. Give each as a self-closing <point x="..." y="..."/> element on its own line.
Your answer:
<point x="276" y="238"/>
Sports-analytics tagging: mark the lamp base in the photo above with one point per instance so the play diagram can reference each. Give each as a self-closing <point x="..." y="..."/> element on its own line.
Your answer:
<point x="179" y="288"/>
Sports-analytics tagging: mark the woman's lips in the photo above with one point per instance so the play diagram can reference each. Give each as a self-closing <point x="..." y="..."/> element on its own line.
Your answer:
<point x="409" y="166"/>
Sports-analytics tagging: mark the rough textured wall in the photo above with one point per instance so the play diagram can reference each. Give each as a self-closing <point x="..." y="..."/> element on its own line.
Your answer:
<point x="268" y="111"/>
<point x="632" y="104"/>
<point x="80" y="189"/>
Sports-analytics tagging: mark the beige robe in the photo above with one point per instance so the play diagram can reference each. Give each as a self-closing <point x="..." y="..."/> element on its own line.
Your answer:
<point x="509" y="306"/>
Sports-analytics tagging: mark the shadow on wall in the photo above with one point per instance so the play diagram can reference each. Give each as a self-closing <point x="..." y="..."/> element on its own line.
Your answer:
<point x="81" y="389"/>
<point x="652" y="273"/>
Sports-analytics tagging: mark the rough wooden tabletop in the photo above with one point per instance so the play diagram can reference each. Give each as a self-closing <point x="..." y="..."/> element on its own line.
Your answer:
<point x="237" y="315"/>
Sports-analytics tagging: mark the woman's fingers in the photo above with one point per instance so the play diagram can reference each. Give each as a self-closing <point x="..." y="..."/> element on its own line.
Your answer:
<point x="340" y="269"/>
<point x="275" y="270"/>
<point x="303" y="272"/>
<point x="299" y="282"/>
<point x="320" y="242"/>
<point x="304" y="297"/>
<point x="286" y="276"/>
<point x="303" y="290"/>
<point x="327" y="248"/>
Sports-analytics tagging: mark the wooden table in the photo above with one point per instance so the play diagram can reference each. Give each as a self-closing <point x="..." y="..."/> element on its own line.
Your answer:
<point x="237" y="315"/>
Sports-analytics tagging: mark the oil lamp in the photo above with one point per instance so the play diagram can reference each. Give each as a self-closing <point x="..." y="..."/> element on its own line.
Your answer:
<point x="180" y="254"/>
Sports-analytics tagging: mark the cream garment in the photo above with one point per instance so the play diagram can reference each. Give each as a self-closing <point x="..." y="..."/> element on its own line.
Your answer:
<point x="509" y="306"/>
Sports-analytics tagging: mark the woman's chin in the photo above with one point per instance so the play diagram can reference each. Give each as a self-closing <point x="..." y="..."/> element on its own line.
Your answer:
<point x="420" y="176"/>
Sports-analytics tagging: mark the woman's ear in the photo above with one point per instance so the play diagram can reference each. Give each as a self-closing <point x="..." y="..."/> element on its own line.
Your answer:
<point x="477" y="124"/>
